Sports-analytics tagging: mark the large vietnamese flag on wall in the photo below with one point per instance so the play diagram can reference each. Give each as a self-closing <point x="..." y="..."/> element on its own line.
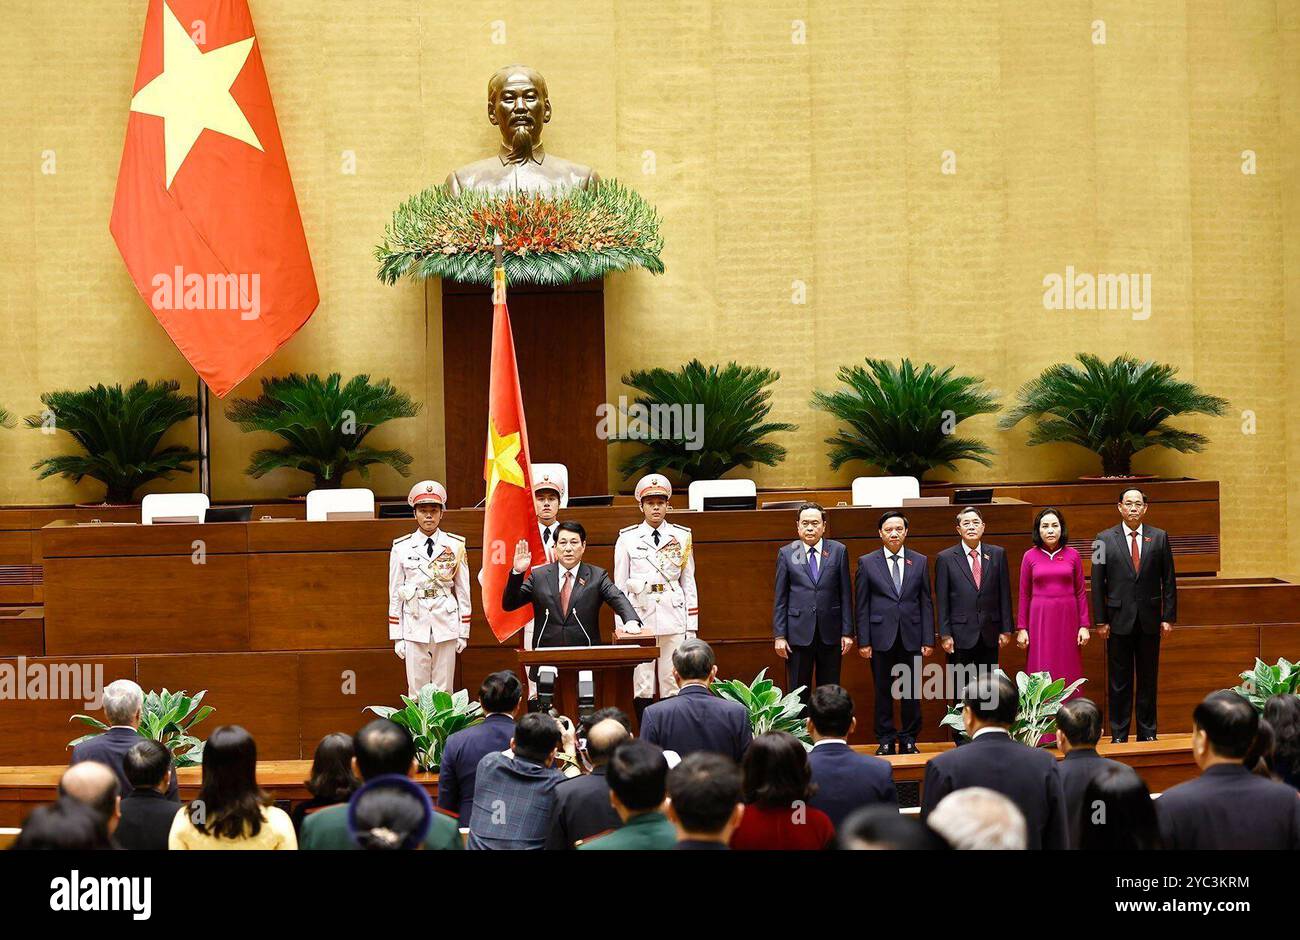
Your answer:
<point x="205" y="215"/>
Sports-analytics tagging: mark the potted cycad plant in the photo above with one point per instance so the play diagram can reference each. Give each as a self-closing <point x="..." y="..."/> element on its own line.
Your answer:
<point x="903" y="419"/>
<point x="119" y="431"/>
<point x="431" y="718"/>
<point x="1040" y="697"/>
<point x="168" y="718"/>
<point x="1260" y="684"/>
<point x="1114" y="409"/>
<point x="324" y="424"/>
<point x="697" y="421"/>
<point x="769" y="710"/>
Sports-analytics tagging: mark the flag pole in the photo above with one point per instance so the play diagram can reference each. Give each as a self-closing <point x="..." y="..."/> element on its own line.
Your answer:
<point x="205" y="442"/>
<point x="498" y="270"/>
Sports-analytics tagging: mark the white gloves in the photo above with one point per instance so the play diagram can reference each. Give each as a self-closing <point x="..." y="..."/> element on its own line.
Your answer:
<point x="631" y="626"/>
<point x="461" y="643"/>
<point x="400" y="649"/>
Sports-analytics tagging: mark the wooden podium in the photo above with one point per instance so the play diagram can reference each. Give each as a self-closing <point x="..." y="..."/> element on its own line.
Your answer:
<point x="612" y="667"/>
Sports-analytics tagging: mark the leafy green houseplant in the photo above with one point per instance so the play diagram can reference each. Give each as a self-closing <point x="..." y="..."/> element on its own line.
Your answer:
<point x="168" y="718"/>
<point x="1114" y="409"/>
<point x="769" y="710"/>
<point x="324" y="424"/>
<point x="1260" y="684"/>
<point x="903" y="419"/>
<point x="431" y="718"/>
<point x="577" y="235"/>
<point x="699" y="421"/>
<point x="1040" y="698"/>
<point x="119" y="430"/>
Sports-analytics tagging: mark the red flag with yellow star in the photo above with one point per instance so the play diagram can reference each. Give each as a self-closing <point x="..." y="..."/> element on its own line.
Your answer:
<point x="510" y="514"/>
<point x="205" y="214"/>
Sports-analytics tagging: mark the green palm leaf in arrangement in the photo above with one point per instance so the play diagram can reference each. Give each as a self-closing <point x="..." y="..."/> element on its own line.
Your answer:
<point x="119" y="431"/>
<point x="903" y="419"/>
<point x="6" y="419"/>
<point x="323" y="423"/>
<point x="1113" y="409"/>
<point x="724" y="408"/>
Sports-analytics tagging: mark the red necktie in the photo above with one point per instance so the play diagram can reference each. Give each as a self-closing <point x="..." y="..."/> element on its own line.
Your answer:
<point x="975" y="569"/>
<point x="1134" y="545"/>
<point x="565" y="592"/>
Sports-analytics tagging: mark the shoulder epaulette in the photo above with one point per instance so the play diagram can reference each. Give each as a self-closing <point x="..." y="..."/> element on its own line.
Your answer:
<point x="635" y="525"/>
<point x="402" y="538"/>
<point x="458" y="538"/>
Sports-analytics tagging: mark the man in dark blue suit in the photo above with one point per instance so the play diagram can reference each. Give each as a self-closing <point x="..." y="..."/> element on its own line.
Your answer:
<point x="123" y="706"/>
<point x="895" y="630"/>
<point x="812" y="617"/>
<point x="972" y="590"/>
<point x="695" y="719"/>
<point x="499" y="695"/>
<point x="846" y="780"/>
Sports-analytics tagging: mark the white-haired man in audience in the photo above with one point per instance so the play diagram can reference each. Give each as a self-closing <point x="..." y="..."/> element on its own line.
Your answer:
<point x="979" y="818"/>
<point x="123" y="706"/>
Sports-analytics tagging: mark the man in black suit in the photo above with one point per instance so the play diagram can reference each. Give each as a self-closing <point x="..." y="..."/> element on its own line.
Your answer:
<point x="566" y="595"/>
<point x="812" y="617"/>
<point x="704" y="798"/>
<point x="582" y="806"/>
<point x="148" y="813"/>
<point x="1079" y="725"/>
<point x="499" y="696"/>
<point x="695" y="719"/>
<point x="846" y="780"/>
<point x="123" y="706"/>
<point x="895" y="630"/>
<point x="1227" y="806"/>
<point x="1025" y="775"/>
<point x="1135" y="603"/>
<point x="972" y="590"/>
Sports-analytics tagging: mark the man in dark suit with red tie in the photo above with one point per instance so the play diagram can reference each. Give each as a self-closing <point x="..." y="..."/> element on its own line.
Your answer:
<point x="972" y="590"/>
<point x="812" y="616"/>
<point x="1135" y="603"/>
<point x="895" y="630"/>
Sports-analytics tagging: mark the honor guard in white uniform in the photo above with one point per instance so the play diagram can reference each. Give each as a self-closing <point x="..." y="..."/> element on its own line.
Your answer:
<point x="654" y="567"/>
<point x="428" y="594"/>
<point x="547" y="493"/>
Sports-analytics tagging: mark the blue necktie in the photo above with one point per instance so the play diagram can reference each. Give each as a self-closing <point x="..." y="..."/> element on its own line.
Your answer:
<point x="812" y="563"/>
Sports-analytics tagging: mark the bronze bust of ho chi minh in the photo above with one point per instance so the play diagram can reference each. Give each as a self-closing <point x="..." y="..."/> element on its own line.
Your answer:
<point x="520" y="107"/>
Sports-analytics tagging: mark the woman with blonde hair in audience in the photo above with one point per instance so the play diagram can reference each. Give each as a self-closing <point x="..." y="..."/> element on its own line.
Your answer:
<point x="232" y="811"/>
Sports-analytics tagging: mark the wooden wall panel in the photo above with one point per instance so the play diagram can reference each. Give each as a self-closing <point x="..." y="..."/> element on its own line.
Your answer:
<point x="318" y="600"/>
<point x="1195" y="661"/>
<point x="1277" y="641"/>
<point x="36" y="731"/>
<point x="22" y="631"/>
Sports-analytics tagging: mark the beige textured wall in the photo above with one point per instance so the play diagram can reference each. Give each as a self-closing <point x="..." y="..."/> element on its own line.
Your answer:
<point x="774" y="161"/>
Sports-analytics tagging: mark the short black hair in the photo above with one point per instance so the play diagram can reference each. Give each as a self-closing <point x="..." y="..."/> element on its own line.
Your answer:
<point x="830" y="709"/>
<point x="993" y="698"/>
<point x="1127" y="821"/>
<point x="810" y="505"/>
<point x="890" y="514"/>
<point x="1229" y="721"/>
<point x="536" y="736"/>
<point x="331" y="769"/>
<point x="500" y="692"/>
<point x="64" y="825"/>
<point x="884" y="827"/>
<point x="775" y="771"/>
<point x="1038" y="536"/>
<point x="638" y="774"/>
<point x="1080" y="721"/>
<point x="574" y="527"/>
<point x="1133" y="489"/>
<point x="694" y="659"/>
<point x="1282" y="712"/>
<point x="145" y="766"/>
<point x="705" y="789"/>
<point x="383" y="747"/>
<point x="967" y="511"/>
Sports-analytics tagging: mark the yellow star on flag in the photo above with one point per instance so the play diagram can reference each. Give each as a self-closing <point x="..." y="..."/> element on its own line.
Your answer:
<point x="192" y="93"/>
<point x="502" y="464"/>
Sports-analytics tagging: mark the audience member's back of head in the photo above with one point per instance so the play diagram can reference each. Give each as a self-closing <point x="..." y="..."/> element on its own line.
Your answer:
<point x="383" y="747"/>
<point x="1229" y="722"/>
<point x="331" y="768"/>
<point x="638" y="775"/>
<point x="536" y="736"/>
<point x="830" y="709"/>
<point x="64" y="825"/>
<point x="603" y="737"/>
<point x="500" y="693"/>
<point x="775" y="771"/>
<point x="884" y="828"/>
<point x="1259" y="758"/>
<point x="1118" y="813"/>
<point x="587" y="722"/>
<point x="993" y="699"/>
<point x="93" y="785"/>
<point x="1282" y="712"/>
<point x="979" y="818"/>
<point x="390" y="813"/>
<point x="1079" y="720"/>
<point x="694" y="659"/>
<point x="704" y="789"/>
<point x="231" y="799"/>
<point x="123" y="700"/>
<point x="147" y="764"/>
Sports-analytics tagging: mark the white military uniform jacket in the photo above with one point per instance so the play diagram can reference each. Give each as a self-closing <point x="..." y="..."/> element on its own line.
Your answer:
<point x="428" y="598"/>
<point x="658" y="580"/>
